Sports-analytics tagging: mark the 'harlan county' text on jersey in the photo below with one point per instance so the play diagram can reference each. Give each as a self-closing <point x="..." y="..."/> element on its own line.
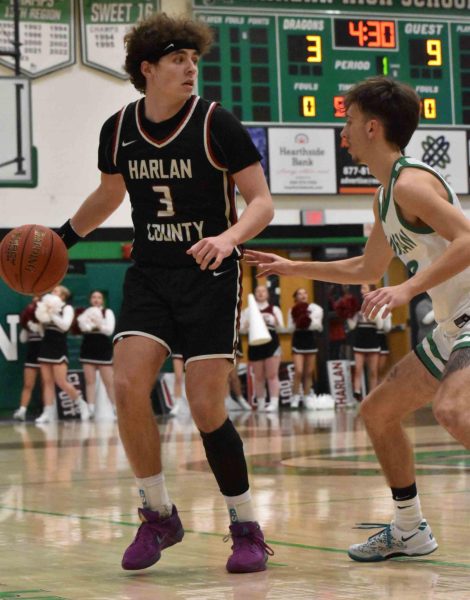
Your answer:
<point x="419" y="247"/>
<point x="179" y="191"/>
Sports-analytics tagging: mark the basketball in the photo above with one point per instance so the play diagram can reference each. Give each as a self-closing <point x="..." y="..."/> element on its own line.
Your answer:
<point x="33" y="259"/>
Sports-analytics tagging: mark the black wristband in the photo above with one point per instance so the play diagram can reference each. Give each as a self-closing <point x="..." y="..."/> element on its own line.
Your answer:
<point x="68" y="234"/>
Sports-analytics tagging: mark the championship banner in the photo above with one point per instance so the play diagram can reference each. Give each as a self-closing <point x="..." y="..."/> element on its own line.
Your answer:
<point x="339" y="379"/>
<point x="302" y="161"/>
<point x="46" y="35"/>
<point x="103" y="26"/>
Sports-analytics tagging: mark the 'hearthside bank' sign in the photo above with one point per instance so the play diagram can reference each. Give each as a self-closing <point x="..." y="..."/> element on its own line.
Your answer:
<point x="302" y="161"/>
<point x="448" y="7"/>
<point x="46" y="34"/>
<point x="104" y="25"/>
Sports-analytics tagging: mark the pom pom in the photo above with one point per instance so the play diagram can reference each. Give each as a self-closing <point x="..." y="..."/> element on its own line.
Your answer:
<point x="90" y="319"/>
<point x="347" y="306"/>
<point x="42" y="313"/>
<point x="301" y="315"/>
<point x="28" y="315"/>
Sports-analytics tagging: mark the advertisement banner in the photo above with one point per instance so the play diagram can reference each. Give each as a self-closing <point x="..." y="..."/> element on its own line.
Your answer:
<point x="66" y="407"/>
<point x="339" y="379"/>
<point x="286" y="378"/>
<point x="46" y="35"/>
<point x="302" y="161"/>
<point x="103" y="26"/>
<point x="260" y="139"/>
<point x="445" y="151"/>
<point x="352" y="178"/>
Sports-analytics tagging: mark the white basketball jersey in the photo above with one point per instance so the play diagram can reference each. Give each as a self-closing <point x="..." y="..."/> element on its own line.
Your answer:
<point x="419" y="247"/>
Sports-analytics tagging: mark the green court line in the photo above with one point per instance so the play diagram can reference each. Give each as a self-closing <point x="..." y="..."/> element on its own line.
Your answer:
<point x="19" y="594"/>
<point x="437" y="458"/>
<point x="428" y="561"/>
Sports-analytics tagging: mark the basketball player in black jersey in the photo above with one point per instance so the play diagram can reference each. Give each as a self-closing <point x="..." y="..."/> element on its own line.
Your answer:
<point x="179" y="157"/>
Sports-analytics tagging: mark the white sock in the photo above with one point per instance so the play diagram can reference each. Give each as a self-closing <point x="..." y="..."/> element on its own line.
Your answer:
<point x="408" y="513"/>
<point x="274" y="402"/>
<point x="240" y="508"/>
<point x="21" y="410"/>
<point x="154" y="494"/>
<point x="261" y="403"/>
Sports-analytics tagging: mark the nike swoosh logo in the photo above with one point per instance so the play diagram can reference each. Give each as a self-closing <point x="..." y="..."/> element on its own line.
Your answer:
<point x="405" y="539"/>
<point x="402" y="507"/>
<point x="217" y="273"/>
<point x="124" y="144"/>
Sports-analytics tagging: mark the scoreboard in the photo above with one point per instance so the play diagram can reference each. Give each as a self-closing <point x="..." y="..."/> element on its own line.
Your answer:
<point x="295" y="66"/>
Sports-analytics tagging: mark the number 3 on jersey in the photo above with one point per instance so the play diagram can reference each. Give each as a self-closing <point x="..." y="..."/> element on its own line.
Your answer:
<point x="164" y="199"/>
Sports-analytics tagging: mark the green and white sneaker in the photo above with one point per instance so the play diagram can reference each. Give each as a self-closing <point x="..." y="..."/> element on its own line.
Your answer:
<point x="391" y="542"/>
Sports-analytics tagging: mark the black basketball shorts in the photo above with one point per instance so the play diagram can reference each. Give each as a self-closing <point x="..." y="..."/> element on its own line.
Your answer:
<point x="184" y="308"/>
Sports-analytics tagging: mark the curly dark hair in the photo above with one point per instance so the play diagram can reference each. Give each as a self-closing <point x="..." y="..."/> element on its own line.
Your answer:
<point x="396" y="104"/>
<point x="155" y="32"/>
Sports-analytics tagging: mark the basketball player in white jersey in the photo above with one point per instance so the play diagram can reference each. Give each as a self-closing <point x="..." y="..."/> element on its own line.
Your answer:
<point x="419" y="219"/>
<point x="179" y="157"/>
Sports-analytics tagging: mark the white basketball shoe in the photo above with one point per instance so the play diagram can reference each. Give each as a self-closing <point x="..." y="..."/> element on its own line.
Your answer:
<point x="392" y="542"/>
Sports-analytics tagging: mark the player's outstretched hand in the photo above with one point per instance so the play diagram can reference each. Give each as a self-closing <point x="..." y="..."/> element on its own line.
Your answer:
<point x="386" y="298"/>
<point x="211" y="251"/>
<point x="269" y="264"/>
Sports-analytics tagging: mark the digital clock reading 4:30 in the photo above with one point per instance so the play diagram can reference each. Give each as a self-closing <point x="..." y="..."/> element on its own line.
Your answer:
<point x="359" y="33"/>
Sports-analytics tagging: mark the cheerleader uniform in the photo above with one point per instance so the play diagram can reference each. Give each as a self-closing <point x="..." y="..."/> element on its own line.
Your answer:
<point x="53" y="348"/>
<point x="33" y="346"/>
<point x="239" y="348"/>
<point x="382" y="329"/>
<point x="177" y="351"/>
<point x="305" y="321"/>
<point x="272" y="316"/>
<point x="366" y="338"/>
<point x="97" y="347"/>
<point x="31" y="335"/>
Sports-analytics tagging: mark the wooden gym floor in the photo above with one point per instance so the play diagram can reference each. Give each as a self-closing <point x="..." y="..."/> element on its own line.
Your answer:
<point x="68" y="510"/>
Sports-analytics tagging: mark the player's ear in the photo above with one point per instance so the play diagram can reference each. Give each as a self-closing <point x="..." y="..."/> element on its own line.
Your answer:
<point x="145" y="68"/>
<point x="372" y="127"/>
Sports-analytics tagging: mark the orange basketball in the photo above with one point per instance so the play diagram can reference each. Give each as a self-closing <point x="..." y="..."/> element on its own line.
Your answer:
<point x="33" y="259"/>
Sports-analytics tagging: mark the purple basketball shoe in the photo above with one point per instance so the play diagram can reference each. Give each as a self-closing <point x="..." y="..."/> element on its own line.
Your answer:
<point x="154" y="535"/>
<point x="250" y="551"/>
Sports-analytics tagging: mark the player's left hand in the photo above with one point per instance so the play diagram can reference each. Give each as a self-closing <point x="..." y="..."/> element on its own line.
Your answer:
<point x="211" y="251"/>
<point x="387" y="298"/>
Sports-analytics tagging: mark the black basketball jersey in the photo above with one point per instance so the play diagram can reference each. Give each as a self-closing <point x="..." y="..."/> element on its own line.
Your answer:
<point x="179" y="191"/>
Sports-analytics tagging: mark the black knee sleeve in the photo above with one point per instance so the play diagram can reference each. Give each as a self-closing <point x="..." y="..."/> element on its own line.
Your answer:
<point x="224" y="451"/>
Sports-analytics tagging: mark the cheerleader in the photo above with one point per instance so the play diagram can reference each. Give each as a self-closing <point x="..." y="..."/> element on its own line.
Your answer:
<point x="31" y="334"/>
<point x="304" y="320"/>
<point x="383" y="327"/>
<point x="366" y="347"/>
<point x="97" y="323"/>
<point x="266" y="358"/>
<point x="180" y="403"/>
<point x="235" y="384"/>
<point x="56" y="317"/>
